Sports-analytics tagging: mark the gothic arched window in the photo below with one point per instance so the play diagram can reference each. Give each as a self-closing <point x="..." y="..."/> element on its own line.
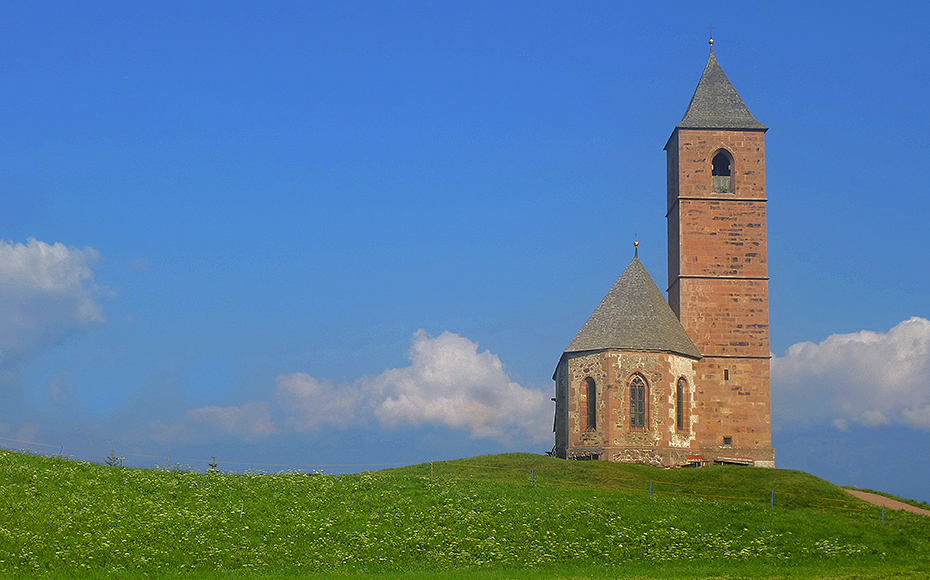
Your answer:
<point x="722" y="172"/>
<point x="592" y="403"/>
<point x="637" y="401"/>
<point x="680" y="403"/>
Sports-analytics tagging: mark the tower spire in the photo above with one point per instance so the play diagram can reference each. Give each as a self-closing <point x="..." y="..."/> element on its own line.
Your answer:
<point x="716" y="104"/>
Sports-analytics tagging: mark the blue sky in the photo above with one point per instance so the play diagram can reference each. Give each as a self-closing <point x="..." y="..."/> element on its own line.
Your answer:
<point x="310" y="234"/>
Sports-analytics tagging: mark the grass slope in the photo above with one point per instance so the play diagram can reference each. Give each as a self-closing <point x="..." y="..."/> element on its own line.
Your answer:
<point x="477" y="518"/>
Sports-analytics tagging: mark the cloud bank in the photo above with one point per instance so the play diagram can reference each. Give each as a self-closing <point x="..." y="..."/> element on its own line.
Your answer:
<point x="250" y="421"/>
<point x="869" y="378"/>
<point x="47" y="292"/>
<point x="448" y="383"/>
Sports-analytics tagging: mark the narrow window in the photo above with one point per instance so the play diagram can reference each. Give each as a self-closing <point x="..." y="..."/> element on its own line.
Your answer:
<point x="637" y="402"/>
<point x="592" y="403"/>
<point x="680" y="404"/>
<point x="555" y="417"/>
<point x="726" y="374"/>
<point x="721" y="173"/>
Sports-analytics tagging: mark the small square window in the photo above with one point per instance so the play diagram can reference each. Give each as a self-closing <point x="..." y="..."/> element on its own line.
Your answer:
<point x="728" y="441"/>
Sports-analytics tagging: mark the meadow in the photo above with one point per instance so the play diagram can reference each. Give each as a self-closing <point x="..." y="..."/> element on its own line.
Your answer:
<point x="502" y="516"/>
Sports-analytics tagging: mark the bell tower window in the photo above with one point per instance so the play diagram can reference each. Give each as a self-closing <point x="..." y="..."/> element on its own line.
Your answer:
<point x="722" y="172"/>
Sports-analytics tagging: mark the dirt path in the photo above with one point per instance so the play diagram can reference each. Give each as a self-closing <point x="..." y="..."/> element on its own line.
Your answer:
<point x="889" y="503"/>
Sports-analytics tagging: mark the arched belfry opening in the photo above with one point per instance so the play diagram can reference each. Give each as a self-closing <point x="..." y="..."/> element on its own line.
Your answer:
<point x="722" y="172"/>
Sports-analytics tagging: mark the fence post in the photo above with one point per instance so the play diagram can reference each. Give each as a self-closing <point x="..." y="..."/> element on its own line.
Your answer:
<point x="773" y="498"/>
<point x="532" y="476"/>
<point x="883" y="512"/>
<point x="431" y="469"/>
<point x="650" y="488"/>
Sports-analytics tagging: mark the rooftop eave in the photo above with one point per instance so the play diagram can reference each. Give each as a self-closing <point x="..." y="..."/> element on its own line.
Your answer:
<point x="692" y="356"/>
<point x="716" y="127"/>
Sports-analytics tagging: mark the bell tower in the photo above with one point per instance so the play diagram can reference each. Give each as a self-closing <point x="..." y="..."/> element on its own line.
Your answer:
<point x="717" y="269"/>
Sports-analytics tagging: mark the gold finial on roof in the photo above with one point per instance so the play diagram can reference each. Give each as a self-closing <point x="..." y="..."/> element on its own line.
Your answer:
<point x="635" y="248"/>
<point x="711" y="28"/>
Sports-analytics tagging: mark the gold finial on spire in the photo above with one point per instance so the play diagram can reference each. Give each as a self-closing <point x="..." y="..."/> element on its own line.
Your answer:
<point x="635" y="247"/>
<point x="711" y="28"/>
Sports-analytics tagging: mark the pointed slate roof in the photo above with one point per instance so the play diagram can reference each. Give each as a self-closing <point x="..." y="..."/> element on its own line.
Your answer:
<point x="634" y="316"/>
<point x="716" y="104"/>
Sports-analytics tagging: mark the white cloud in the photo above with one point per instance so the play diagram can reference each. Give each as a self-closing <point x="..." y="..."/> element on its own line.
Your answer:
<point x="170" y="433"/>
<point x="870" y="378"/>
<point x="309" y="403"/>
<point x="917" y="415"/>
<point x="250" y="421"/>
<point x="60" y="390"/>
<point x="448" y="383"/>
<point x="46" y="293"/>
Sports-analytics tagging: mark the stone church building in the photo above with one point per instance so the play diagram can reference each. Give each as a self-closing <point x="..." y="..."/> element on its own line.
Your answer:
<point x="684" y="381"/>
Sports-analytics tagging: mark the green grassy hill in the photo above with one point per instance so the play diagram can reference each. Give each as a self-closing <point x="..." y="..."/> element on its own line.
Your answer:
<point x="505" y="516"/>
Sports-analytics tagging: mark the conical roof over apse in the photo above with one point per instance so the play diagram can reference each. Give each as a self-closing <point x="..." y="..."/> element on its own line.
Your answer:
<point x="634" y="316"/>
<point x="716" y="104"/>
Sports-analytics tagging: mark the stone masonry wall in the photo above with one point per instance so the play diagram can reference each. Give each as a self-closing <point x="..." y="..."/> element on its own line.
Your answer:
<point x="726" y="317"/>
<point x="737" y="406"/>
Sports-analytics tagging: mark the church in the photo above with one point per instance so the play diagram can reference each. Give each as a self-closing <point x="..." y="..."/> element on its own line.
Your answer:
<point x="684" y="382"/>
